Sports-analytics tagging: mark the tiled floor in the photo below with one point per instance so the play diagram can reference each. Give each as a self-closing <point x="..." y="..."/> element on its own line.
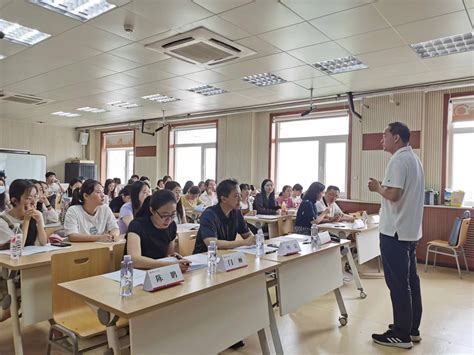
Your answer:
<point x="447" y="326"/>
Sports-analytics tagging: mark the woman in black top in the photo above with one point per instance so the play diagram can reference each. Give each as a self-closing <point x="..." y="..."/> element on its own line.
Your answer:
<point x="307" y="213"/>
<point x="265" y="202"/>
<point x="151" y="234"/>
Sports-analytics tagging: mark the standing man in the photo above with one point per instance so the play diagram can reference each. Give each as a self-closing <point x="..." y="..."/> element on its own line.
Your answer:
<point x="401" y="215"/>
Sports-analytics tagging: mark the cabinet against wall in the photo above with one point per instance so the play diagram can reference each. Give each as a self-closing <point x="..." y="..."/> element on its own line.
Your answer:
<point x="74" y="170"/>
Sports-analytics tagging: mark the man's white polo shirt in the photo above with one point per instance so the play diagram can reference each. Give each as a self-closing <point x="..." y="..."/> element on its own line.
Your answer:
<point x="404" y="217"/>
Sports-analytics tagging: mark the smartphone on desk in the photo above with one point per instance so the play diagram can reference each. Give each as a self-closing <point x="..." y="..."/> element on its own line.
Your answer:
<point x="61" y="245"/>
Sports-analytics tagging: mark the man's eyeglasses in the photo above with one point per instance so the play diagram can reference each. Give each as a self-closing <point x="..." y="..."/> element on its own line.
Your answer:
<point x="166" y="216"/>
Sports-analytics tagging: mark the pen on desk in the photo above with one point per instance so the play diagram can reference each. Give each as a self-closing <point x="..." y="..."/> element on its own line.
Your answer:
<point x="269" y="252"/>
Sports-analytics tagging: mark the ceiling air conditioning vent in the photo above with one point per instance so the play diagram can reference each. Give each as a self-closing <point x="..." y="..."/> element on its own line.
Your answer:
<point x="25" y="99"/>
<point x="201" y="47"/>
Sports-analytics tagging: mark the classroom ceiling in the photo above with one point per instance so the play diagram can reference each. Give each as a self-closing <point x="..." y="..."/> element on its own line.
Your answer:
<point x="95" y="63"/>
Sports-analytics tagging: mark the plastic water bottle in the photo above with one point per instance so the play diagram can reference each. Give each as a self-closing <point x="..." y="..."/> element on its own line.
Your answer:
<point x="259" y="241"/>
<point x="16" y="243"/>
<point x="126" y="276"/>
<point x="212" y="258"/>
<point x="365" y="217"/>
<point x="315" y="240"/>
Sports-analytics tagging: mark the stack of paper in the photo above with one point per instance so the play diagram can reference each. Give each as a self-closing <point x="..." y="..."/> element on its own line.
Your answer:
<point x="138" y="276"/>
<point x="35" y="249"/>
<point x="198" y="261"/>
<point x="187" y="227"/>
<point x="253" y="249"/>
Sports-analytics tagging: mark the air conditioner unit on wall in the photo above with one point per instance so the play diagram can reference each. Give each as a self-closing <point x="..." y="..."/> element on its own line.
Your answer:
<point x="201" y="47"/>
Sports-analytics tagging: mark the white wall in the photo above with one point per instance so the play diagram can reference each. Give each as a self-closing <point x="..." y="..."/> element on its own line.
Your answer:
<point x="57" y="143"/>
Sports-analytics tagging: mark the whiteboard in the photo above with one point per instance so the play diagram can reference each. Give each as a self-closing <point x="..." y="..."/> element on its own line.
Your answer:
<point x="23" y="166"/>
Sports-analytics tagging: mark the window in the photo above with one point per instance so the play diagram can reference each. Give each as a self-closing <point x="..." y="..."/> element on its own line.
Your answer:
<point x="193" y="153"/>
<point x="310" y="149"/>
<point x="461" y="136"/>
<point x="118" y="151"/>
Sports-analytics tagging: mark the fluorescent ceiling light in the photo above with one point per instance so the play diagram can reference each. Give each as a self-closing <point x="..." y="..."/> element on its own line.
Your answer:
<point x="264" y="79"/>
<point x="2" y="57"/>
<point x="20" y="34"/>
<point x="123" y="104"/>
<point x="207" y="90"/>
<point x="65" y="114"/>
<point x="91" y="109"/>
<point x="82" y="10"/>
<point x="163" y="99"/>
<point x="340" y="65"/>
<point x="445" y="46"/>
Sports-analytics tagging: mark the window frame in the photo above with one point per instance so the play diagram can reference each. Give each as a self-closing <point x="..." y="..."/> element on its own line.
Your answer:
<point x="323" y="140"/>
<point x="190" y="126"/>
<point x="103" y="151"/>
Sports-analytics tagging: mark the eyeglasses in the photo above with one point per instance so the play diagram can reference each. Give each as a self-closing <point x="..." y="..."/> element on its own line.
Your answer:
<point x="166" y="216"/>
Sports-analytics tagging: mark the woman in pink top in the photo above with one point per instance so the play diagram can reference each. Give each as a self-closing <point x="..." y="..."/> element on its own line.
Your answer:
<point x="285" y="196"/>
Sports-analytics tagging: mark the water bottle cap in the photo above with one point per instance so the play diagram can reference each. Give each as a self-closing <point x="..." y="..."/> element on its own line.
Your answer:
<point x="213" y="242"/>
<point x="127" y="258"/>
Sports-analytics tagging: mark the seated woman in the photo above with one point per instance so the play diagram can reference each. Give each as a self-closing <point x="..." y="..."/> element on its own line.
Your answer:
<point x="307" y="214"/>
<point x="139" y="191"/>
<point x="151" y="235"/>
<point x="189" y="201"/>
<point x="265" y="202"/>
<point x="175" y="187"/>
<point x="88" y="219"/>
<point x="246" y="206"/>
<point x="297" y="194"/>
<point x="4" y="198"/>
<point x="74" y="184"/>
<point x="122" y="198"/>
<point x="50" y="215"/>
<point x="109" y="190"/>
<point x="24" y="213"/>
<point x="285" y="196"/>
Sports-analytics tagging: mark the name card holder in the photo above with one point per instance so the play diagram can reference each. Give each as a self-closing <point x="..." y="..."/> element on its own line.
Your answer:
<point x="324" y="237"/>
<point x="162" y="277"/>
<point x="232" y="261"/>
<point x="289" y="247"/>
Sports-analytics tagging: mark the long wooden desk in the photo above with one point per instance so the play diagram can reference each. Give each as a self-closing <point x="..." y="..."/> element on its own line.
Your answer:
<point x="271" y="221"/>
<point x="205" y="314"/>
<point x="35" y="275"/>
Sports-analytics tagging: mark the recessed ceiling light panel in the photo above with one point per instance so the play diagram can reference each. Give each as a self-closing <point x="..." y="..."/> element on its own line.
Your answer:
<point x="20" y="34"/>
<point x="207" y="90"/>
<point x="264" y="79"/>
<point x="65" y="114"/>
<point x="444" y="46"/>
<point x="340" y="65"/>
<point x="123" y="104"/>
<point x="91" y="109"/>
<point x="82" y="10"/>
<point x="163" y="99"/>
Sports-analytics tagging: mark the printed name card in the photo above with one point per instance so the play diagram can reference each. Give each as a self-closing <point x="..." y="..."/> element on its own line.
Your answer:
<point x="162" y="277"/>
<point x="375" y="219"/>
<point x="289" y="247"/>
<point x="358" y="224"/>
<point x="324" y="237"/>
<point x="232" y="261"/>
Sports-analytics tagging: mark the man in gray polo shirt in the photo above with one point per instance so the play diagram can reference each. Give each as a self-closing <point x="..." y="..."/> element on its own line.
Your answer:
<point x="402" y="192"/>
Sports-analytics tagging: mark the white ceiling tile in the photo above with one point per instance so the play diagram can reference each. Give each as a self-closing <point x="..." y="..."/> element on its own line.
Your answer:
<point x="76" y="91"/>
<point x="288" y="90"/>
<point x="259" y="46"/>
<point x="310" y="9"/>
<point x="388" y="56"/>
<point x="256" y="92"/>
<point x="261" y="16"/>
<point x="450" y="61"/>
<point x="4" y="2"/>
<point x="93" y="37"/>
<point x="298" y="73"/>
<point x="318" y="82"/>
<point x="170" y="14"/>
<point x="36" y="17"/>
<point x="398" y="12"/>
<point x="260" y="65"/>
<point x="143" y="90"/>
<point x="218" y="6"/>
<point x="8" y="48"/>
<point x="181" y="94"/>
<point x="207" y="76"/>
<point x="319" y="52"/>
<point x="112" y="62"/>
<point x="442" y="26"/>
<point x="452" y="73"/>
<point x="350" y="22"/>
<point x="176" y="66"/>
<point x="127" y="80"/>
<point x="138" y="53"/>
<point x="114" y="20"/>
<point x="331" y="90"/>
<point x="149" y="73"/>
<point x="295" y="36"/>
<point x="219" y="26"/>
<point x="234" y="85"/>
<point x="372" y="41"/>
<point x="180" y="83"/>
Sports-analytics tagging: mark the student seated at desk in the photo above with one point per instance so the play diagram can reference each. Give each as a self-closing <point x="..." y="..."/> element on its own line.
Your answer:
<point x="88" y="219"/>
<point x="151" y="235"/>
<point x="209" y="196"/>
<point x="122" y="198"/>
<point x="328" y="201"/>
<point x="190" y="201"/>
<point x="175" y="188"/>
<point x="109" y="190"/>
<point x="223" y="221"/>
<point x="50" y="215"/>
<point x="74" y="184"/>
<point x="246" y="206"/>
<point x="297" y="194"/>
<point x="307" y="214"/>
<point x="139" y="191"/>
<point x="265" y="202"/>
<point x="285" y="196"/>
<point x="4" y="198"/>
<point x="24" y="213"/>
